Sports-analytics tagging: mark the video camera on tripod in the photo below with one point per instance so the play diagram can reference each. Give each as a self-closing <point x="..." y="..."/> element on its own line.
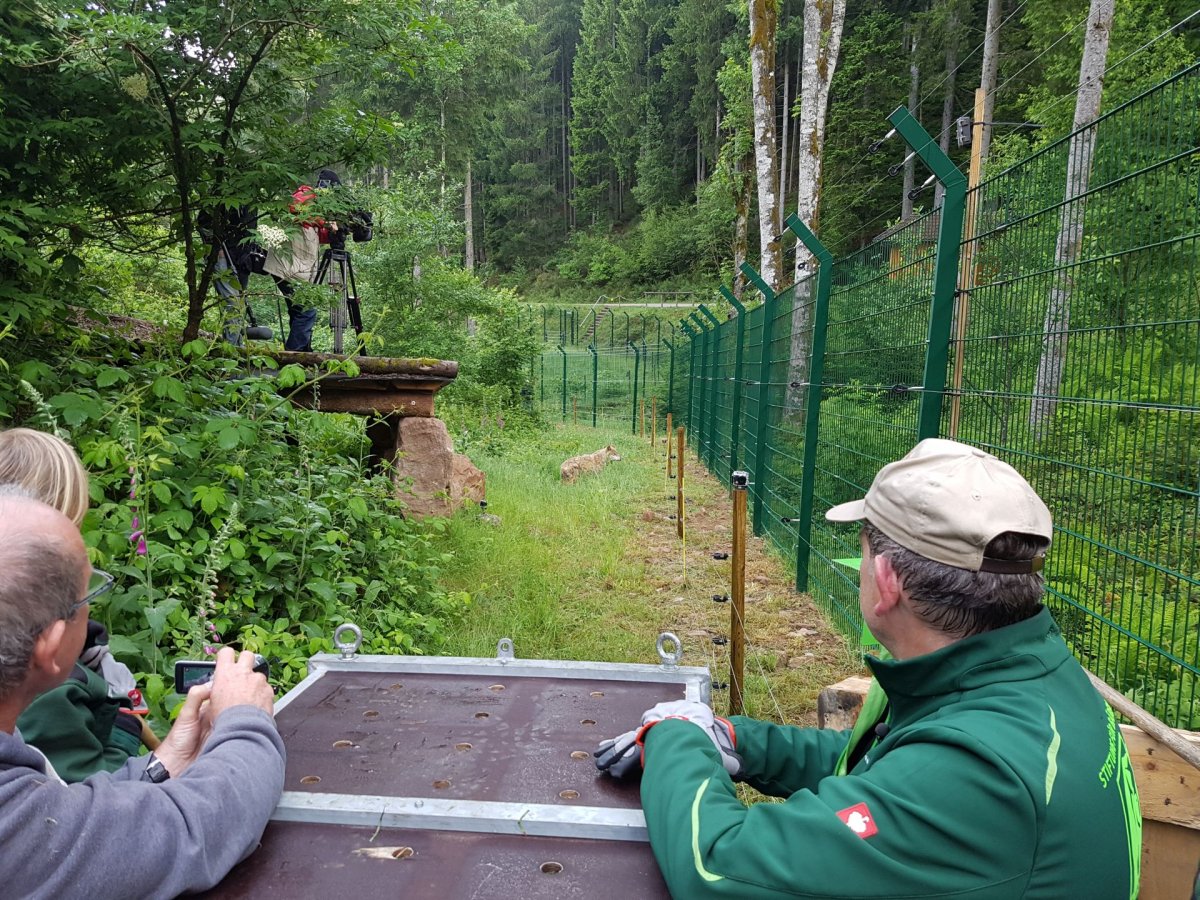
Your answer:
<point x="336" y="268"/>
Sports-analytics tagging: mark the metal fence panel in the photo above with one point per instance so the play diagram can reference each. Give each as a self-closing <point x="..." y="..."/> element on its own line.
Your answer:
<point x="1111" y="440"/>
<point x="1077" y="362"/>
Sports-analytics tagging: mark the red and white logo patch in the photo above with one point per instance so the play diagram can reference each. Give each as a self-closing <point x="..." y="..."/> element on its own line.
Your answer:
<point x="859" y="820"/>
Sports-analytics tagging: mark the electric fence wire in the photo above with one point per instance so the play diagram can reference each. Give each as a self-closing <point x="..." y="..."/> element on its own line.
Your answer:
<point x="965" y="59"/>
<point x="929" y="94"/>
<point x="1032" y="117"/>
<point x="1150" y="43"/>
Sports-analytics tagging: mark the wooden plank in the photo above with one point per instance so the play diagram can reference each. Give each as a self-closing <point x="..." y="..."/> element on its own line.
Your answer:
<point x="1168" y="786"/>
<point x="1169" y="857"/>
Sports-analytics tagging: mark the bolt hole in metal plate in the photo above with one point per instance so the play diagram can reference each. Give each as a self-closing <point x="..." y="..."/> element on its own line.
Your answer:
<point x="320" y="860"/>
<point x="521" y="738"/>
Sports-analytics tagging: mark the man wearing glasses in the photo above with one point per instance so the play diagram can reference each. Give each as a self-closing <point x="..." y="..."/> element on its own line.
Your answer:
<point x="190" y="810"/>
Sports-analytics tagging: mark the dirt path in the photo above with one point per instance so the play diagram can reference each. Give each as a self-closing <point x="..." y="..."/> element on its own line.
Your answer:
<point x="791" y="651"/>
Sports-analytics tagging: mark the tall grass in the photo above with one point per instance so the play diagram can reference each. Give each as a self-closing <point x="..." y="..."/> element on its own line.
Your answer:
<point x="556" y="573"/>
<point x="577" y="572"/>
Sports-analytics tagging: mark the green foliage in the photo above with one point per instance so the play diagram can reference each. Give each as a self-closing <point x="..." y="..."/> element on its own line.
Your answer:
<point x="121" y="118"/>
<point x="257" y="519"/>
<point x="678" y="241"/>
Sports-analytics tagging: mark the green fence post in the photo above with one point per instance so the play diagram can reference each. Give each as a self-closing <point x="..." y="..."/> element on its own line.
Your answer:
<point x="545" y="333"/>
<point x="637" y="359"/>
<point x="670" y="377"/>
<point x="764" y="378"/>
<point x="564" y="388"/>
<point x="595" y="378"/>
<point x="816" y="375"/>
<point x="626" y="315"/>
<point x="702" y="367"/>
<point x="945" y="267"/>
<point x="645" y="366"/>
<point x="735" y="428"/>
<point x="688" y="330"/>
<point x="612" y="328"/>
<point x="714" y="344"/>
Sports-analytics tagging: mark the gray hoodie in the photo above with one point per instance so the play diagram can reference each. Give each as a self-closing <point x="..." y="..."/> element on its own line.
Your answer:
<point x="114" y="835"/>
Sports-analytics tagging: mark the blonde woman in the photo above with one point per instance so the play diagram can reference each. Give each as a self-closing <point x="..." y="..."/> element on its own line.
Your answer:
<point x="86" y="724"/>
<point x="46" y="467"/>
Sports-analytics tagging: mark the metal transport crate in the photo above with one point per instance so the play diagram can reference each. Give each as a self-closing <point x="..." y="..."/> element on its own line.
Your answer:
<point x="448" y="777"/>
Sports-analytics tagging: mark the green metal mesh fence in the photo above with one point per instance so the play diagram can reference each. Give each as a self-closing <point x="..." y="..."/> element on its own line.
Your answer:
<point x="1080" y="368"/>
<point x="874" y="360"/>
<point x="1076" y="359"/>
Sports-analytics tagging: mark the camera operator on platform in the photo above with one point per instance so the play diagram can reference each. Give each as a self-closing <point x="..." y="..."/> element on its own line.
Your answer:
<point x="172" y="822"/>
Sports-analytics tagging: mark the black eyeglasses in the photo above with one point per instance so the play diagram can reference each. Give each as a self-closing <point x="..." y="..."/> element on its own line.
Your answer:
<point x="99" y="584"/>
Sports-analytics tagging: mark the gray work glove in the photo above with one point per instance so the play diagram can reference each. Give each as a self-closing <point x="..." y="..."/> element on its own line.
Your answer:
<point x="622" y="756"/>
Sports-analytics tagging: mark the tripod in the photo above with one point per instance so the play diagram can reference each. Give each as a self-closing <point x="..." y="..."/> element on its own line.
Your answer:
<point x="236" y="302"/>
<point x="336" y="269"/>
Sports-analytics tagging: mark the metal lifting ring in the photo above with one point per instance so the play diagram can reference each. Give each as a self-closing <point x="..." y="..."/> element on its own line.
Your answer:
<point x="504" y="650"/>
<point x="669" y="660"/>
<point x="347" y="648"/>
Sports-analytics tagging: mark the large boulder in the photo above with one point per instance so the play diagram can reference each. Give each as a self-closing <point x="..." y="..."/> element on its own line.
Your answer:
<point x="430" y="477"/>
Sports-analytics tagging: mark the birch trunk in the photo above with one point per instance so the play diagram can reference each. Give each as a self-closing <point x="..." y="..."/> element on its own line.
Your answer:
<point x="991" y="65"/>
<point x="469" y="222"/>
<point x="783" y="143"/>
<point x="823" y="21"/>
<point x="914" y="88"/>
<point x="764" y="16"/>
<point x="1070" y="228"/>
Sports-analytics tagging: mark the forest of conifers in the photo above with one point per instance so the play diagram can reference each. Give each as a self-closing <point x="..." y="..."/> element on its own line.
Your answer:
<point x="611" y="141"/>
<point x="557" y="151"/>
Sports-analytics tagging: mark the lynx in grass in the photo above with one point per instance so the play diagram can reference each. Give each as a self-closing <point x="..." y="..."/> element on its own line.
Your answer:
<point x="589" y="462"/>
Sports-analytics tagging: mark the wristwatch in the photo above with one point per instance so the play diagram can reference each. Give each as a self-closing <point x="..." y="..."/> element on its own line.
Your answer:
<point x="155" y="772"/>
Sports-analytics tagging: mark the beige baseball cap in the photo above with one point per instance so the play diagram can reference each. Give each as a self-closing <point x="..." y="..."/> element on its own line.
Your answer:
<point x="947" y="501"/>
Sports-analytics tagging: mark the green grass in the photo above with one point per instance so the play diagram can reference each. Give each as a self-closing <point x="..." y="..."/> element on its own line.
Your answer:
<point x="556" y="574"/>
<point x="575" y="572"/>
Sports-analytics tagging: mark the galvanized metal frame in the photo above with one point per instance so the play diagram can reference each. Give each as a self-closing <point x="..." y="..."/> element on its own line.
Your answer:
<point x="480" y="816"/>
<point x="491" y="817"/>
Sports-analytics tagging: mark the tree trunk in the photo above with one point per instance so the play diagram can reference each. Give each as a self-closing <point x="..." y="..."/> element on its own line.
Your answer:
<point x="823" y="21"/>
<point x="948" y="96"/>
<point x="914" y="99"/>
<point x="468" y="222"/>
<point x="783" y="142"/>
<point x="1070" y="228"/>
<point x="764" y="15"/>
<point x="991" y="65"/>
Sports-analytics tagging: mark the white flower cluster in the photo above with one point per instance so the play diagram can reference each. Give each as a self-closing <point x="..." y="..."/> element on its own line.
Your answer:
<point x="136" y="86"/>
<point x="272" y="236"/>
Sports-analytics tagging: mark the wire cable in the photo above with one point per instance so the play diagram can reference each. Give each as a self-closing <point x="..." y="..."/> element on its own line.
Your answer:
<point x="1150" y="43"/>
<point x="964" y="60"/>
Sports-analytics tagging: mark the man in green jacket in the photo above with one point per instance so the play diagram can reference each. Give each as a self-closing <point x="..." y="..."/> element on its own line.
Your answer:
<point x="989" y="767"/>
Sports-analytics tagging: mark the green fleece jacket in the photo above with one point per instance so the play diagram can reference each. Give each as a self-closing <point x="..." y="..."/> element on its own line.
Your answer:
<point x="80" y="728"/>
<point x="1001" y="773"/>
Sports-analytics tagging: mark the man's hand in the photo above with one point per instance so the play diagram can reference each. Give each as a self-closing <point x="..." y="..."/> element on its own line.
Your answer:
<point x="234" y="683"/>
<point x="186" y="738"/>
<point x="622" y="756"/>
